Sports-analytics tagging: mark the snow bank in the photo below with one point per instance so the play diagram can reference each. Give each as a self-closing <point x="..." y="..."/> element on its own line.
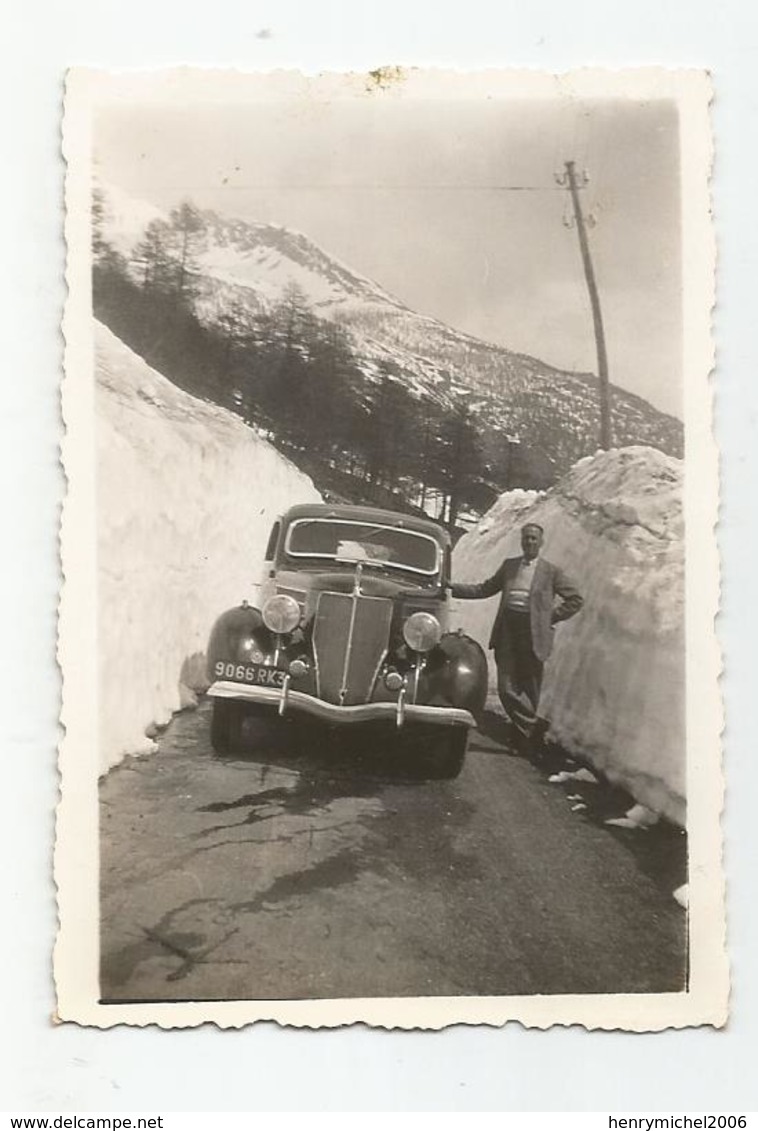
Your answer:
<point x="186" y="497"/>
<point x="614" y="686"/>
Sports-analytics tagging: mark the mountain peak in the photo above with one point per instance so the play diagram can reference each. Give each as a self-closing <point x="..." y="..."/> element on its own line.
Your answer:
<point x="515" y="398"/>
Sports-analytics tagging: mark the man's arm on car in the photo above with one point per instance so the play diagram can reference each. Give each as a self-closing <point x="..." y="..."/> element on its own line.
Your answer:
<point x="486" y="588"/>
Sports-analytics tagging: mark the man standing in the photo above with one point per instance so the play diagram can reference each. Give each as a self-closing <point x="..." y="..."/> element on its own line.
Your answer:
<point x="522" y="634"/>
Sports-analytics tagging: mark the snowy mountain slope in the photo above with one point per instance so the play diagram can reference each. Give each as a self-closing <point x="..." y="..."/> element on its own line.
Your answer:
<point x="517" y="395"/>
<point x="266" y="258"/>
<point x="553" y="411"/>
<point x="187" y="494"/>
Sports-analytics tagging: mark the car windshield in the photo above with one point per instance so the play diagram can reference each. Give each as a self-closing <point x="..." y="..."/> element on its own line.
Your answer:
<point x="346" y="541"/>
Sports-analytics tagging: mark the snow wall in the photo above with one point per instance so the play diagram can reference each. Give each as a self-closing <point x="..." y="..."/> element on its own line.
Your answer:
<point x="186" y="496"/>
<point x="614" y="687"/>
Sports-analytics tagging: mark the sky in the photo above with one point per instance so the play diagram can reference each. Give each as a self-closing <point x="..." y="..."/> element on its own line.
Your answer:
<point x="452" y="206"/>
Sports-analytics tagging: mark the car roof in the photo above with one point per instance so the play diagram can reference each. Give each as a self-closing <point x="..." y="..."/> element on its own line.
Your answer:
<point x="353" y="513"/>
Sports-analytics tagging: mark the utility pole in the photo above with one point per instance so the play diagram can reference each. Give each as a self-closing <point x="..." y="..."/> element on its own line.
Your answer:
<point x="570" y="180"/>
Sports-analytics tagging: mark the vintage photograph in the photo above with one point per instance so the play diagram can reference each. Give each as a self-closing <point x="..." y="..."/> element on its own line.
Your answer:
<point x="390" y="683"/>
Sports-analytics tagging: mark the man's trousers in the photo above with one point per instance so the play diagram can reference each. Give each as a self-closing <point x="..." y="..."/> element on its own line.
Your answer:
<point x="519" y="672"/>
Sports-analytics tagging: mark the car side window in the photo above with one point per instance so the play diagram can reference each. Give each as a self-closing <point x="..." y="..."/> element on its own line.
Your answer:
<point x="272" y="542"/>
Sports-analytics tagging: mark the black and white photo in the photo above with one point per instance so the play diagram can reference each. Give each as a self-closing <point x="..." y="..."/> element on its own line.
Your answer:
<point x="390" y="681"/>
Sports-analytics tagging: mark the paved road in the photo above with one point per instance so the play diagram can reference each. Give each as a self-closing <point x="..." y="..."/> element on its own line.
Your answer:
<point x="301" y="872"/>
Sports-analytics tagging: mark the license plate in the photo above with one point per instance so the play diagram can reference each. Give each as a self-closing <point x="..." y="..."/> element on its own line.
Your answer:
<point x="258" y="674"/>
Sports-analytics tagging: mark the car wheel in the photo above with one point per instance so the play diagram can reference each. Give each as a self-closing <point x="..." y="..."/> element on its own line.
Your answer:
<point x="226" y="726"/>
<point x="444" y="752"/>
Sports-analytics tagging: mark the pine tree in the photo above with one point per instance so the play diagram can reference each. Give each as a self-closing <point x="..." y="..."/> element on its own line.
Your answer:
<point x="188" y="234"/>
<point x="456" y="459"/>
<point x="153" y="260"/>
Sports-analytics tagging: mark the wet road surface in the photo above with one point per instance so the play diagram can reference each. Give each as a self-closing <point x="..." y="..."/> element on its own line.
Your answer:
<point x="315" y="868"/>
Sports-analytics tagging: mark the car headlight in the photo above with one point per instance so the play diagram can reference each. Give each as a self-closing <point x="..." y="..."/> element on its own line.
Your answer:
<point x="281" y="613"/>
<point x="422" y="632"/>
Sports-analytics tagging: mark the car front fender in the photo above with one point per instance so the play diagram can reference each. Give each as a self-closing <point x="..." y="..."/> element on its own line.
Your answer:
<point x="458" y="674"/>
<point x="235" y="636"/>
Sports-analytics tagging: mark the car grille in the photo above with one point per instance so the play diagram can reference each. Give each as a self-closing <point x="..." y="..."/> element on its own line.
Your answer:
<point x="350" y="637"/>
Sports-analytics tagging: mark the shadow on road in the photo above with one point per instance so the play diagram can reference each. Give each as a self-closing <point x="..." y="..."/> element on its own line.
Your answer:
<point x="378" y="754"/>
<point x="494" y="735"/>
<point x="335" y="763"/>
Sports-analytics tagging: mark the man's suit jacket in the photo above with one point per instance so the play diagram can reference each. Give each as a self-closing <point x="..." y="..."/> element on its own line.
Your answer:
<point x="548" y="583"/>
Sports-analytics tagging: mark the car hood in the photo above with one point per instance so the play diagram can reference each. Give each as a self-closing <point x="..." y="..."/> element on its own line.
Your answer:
<point x="343" y="581"/>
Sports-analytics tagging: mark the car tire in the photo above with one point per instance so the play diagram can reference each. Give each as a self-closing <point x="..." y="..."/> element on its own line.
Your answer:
<point x="444" y="752"/>
<point x="226" y="726"/>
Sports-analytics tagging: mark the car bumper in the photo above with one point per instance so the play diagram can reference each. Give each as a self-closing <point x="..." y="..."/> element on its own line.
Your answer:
<point x="286" y="701"/>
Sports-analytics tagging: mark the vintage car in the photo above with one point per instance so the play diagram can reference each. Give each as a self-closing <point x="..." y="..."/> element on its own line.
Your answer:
<point x="352" y="628"/>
